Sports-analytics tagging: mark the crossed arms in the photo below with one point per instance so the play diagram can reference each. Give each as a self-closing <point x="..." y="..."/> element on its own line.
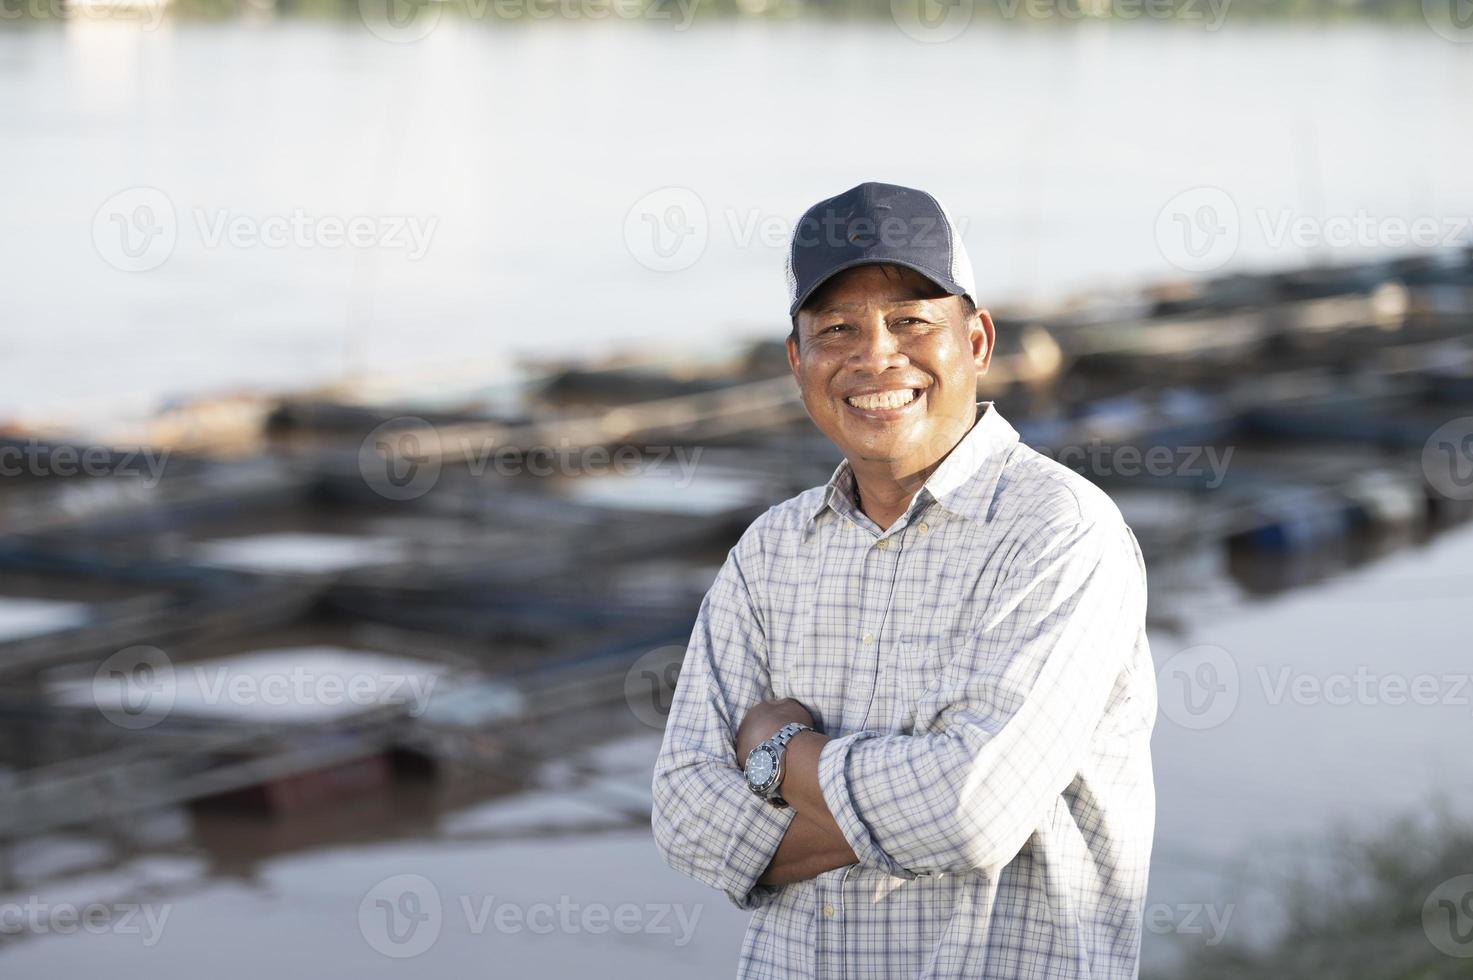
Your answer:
<point x="1014" y="716"/>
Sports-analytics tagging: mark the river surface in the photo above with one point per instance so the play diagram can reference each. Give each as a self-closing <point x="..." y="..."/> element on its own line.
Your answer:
<point x="179" y="200"/>
<point x="1343" y="704"/>
<point x="516" y="180"/>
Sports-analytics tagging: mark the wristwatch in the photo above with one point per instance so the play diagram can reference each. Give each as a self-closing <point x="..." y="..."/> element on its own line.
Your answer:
<point x="766" y="764"/>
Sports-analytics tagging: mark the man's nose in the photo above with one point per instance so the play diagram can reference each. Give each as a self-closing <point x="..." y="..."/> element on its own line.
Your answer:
<point x="878" y="350"/>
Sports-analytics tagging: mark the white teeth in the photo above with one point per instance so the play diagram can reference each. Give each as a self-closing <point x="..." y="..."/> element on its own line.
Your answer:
<point x="883" y="399"/>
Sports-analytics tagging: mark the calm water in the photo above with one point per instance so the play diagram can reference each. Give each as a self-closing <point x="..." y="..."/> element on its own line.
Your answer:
<point x="522" y="150"/>
<point x="501" y="164"/>
<point x="1244" y="787"/>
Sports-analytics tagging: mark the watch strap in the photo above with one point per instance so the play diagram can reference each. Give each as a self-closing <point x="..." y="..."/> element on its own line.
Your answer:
<point x="779" y="740"/>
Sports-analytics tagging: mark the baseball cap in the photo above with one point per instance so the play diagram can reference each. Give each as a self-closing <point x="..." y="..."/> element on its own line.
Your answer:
<point x="877" y="223"/>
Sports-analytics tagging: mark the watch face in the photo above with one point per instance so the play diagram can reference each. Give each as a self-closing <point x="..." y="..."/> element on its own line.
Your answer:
<point x="761" y="767"/>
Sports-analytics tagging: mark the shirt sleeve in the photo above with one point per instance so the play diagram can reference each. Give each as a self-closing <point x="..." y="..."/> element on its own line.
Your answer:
<point x="707" y="823"/>
<point x="1018" y="712"/>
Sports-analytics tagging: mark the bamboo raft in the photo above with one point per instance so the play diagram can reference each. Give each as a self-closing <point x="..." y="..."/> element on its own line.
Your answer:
<point x="538" y="596"/>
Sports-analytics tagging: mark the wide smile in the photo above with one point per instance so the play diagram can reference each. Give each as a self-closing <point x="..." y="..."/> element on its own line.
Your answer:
<point x="891" y="403"/>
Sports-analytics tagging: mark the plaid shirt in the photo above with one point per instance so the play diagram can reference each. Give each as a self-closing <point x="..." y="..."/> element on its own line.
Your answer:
<point x="982" y="668"/>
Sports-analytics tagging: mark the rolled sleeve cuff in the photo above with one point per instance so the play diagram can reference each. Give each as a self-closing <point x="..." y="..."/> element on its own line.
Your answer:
<point x="750" y="850"/>
<point x="833" y="782"/>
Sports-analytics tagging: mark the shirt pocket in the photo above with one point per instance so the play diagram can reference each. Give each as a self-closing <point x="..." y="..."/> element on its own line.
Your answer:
<point x="912" y="678"/>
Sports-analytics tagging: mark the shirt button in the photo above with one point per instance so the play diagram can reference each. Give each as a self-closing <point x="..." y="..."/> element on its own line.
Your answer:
<point x="883" y="543"/>
<point x="828" y="911"/>
<point x="925" y="528"/>
<point x="868" y="638"/>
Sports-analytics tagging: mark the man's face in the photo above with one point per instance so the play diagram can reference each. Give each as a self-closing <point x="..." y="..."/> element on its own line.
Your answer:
<point x="888" y="364"/>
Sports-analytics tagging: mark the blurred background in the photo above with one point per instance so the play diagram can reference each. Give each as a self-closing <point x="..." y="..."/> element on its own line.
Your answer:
<point x="387" y="381"/>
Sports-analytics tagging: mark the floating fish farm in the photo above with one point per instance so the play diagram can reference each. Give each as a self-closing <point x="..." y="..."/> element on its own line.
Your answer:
<point x="309" y="596"/>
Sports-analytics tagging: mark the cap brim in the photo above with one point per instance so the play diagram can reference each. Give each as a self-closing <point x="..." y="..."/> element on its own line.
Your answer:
<point x="944" y="282"/>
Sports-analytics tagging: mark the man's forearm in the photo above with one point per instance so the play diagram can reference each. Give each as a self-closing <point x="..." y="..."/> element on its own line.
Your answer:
<point x="808" y="849"/>
<point x="800" y="779"/>
<point x="813" y="843"/>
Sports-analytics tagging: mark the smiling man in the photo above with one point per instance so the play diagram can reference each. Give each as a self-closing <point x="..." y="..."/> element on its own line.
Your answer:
<point x="912" y="729"/>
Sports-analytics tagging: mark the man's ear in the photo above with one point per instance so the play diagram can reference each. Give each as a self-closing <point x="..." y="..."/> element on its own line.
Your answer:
<point x="982" y="335"/>
<point x="793" y="360"/>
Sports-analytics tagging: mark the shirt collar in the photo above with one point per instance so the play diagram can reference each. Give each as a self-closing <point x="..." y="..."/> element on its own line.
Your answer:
<point x="964" y="483"/>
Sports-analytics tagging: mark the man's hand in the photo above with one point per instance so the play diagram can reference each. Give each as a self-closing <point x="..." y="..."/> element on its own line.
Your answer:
<point x="762" y="722"/>
<point x="813" y="843"/>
